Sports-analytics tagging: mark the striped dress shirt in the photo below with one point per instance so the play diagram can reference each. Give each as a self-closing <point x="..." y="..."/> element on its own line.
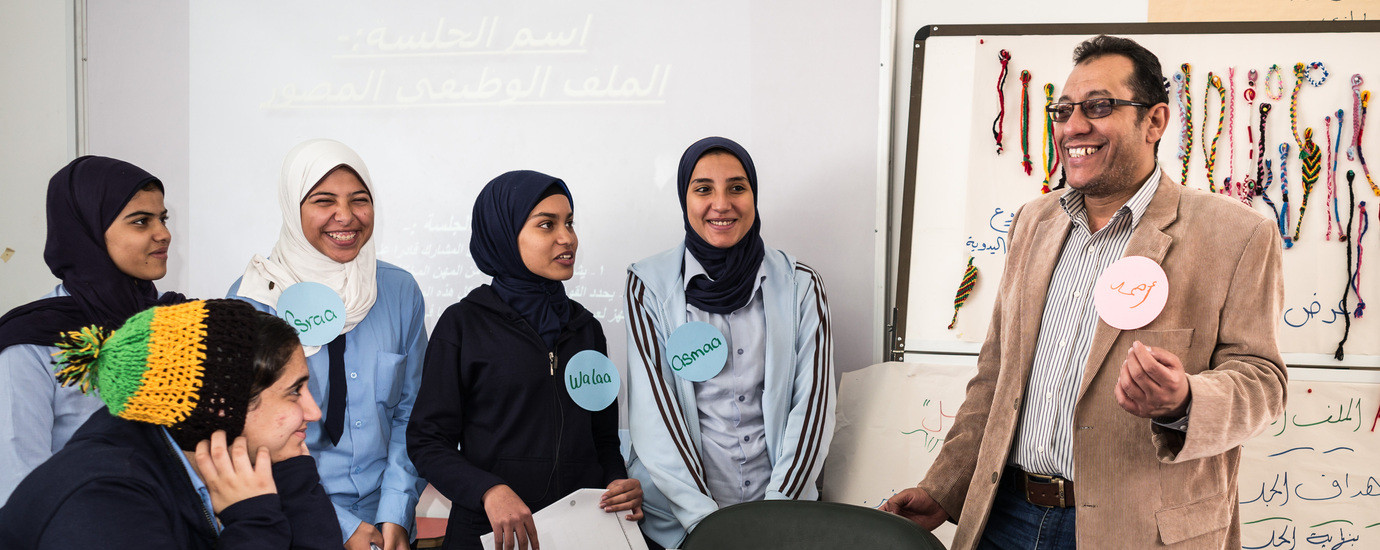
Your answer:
<point x="1044" y="441"/>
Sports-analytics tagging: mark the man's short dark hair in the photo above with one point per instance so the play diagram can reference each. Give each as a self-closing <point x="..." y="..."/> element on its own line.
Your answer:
<point x="1147" y="79"/>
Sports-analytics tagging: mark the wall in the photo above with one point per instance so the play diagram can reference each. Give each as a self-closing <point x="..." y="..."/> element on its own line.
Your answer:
<point x="37" y="135"/>
<point x="137" y="92"/>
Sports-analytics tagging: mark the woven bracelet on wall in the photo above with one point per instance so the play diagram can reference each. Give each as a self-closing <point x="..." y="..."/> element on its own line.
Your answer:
<point x="1005" y="58"/>
<point x="1185" y="96"/>
<point x="1025" y="122"/>
<point x="965" y="289"/>
<point x="1210" y="149"/>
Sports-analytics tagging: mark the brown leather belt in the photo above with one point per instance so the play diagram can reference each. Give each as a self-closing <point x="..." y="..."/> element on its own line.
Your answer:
<point x="1040" y="490"/>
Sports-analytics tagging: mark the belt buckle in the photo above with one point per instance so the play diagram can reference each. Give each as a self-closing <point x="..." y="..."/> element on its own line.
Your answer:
<point x="1041" y="478"/>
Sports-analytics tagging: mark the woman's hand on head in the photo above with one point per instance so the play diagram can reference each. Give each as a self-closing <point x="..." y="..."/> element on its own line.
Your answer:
<point x="623" y="494"/>
<point x="510" y="519"/>
<point x="230" y="476"/>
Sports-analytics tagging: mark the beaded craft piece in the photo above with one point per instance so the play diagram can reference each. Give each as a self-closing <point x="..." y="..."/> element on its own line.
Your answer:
<point x="1309" y="74"/>
<point x="1275" y="76"/>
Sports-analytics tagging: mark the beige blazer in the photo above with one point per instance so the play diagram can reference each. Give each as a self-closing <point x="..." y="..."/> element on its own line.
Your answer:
<point x="1138" y="485"/>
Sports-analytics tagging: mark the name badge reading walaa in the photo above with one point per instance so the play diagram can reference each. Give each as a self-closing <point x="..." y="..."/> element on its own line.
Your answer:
<point x="697" y="350"/>
<point x="1131" y="292"/>
<point x="314" y="310"/>
<point x="592" y="380"/>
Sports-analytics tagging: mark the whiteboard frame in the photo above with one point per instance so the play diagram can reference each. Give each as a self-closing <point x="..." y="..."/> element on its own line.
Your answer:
<point x="900" y="348"/>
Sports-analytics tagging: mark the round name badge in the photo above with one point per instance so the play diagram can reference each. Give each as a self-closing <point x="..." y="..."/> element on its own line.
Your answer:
<point x="698" y="351"/>
<point x="592" y="380"/>
<point x="314" y="310"/>
<point x="1131" y="292"/>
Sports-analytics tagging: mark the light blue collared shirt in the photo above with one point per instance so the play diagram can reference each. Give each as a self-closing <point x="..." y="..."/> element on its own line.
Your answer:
<point x="37" y="415"/>
<point x="732" y="430"/>
<point x="197" y="484"/>
<point x="368" y="474"/>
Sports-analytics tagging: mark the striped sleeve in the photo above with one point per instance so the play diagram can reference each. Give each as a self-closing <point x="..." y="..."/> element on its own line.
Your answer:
<point x="660" y="433"/>
<point x="810" y="424"/>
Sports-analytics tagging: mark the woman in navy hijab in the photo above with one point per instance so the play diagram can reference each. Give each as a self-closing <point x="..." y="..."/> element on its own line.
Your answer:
<point x="493" y="378"/>
<point x="107" y="241"/>
<point x="761" y="427"/>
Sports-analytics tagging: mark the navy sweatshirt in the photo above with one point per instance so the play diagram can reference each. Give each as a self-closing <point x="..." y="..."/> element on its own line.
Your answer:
<point x="119" y="484"/>
<point x="491" y="386"/>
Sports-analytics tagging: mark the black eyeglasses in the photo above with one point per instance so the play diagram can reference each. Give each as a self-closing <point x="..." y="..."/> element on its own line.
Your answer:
<point x="1097" y="107"/>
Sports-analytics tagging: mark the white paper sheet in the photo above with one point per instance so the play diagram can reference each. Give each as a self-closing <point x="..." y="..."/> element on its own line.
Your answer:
<point x="890" y="425"/>
<point x="577" y="523"/>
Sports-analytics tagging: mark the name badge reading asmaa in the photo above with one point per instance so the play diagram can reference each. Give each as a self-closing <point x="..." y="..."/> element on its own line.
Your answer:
<point x="697" y="350"/>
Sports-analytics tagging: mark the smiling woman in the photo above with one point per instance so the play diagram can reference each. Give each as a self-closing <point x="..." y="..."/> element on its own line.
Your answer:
<point x="326" y="197"/>
<point x="108" y="241"/>
<point x="776" y="390"/>
<point x="338" y="215"/>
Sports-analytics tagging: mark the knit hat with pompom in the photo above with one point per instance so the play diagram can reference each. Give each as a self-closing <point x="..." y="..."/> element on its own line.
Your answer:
<point x="187" y="367"/>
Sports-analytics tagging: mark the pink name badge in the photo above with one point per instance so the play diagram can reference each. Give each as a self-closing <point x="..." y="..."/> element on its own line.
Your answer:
<point x="1131" y="292"/>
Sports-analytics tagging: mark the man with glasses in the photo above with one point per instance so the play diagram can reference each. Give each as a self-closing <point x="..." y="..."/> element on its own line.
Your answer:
<point x="1076" y="433"/>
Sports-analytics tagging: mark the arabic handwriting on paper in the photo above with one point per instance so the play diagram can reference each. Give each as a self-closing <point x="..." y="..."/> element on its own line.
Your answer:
<point x="994" y="247"/>
<point x="1000" y="220"/>
<point x="931" y="425"/>
<point x="1344" y="413"/>
<point x="1334" y="534"/>
<point x="994" y="243"/>
<point x="1297" y="317"/>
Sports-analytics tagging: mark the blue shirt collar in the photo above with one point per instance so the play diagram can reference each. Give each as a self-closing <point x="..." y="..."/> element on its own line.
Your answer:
<point x="197" y="483"/>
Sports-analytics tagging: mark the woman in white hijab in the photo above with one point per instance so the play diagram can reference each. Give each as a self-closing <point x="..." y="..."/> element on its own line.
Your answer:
<point x="366" y="379"/>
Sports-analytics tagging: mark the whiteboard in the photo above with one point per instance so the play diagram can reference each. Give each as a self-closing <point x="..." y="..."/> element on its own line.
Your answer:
<point x="1309" y="477"/>
<point x="965" y="193"/>
<point x="440" y="97"/>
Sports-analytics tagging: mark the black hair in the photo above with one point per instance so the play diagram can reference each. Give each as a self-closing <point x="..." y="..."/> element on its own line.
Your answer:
<point x="1147" y="81"/>
<point x="274" y="343"/>
<point x="152" y="185"/>
<point x="1147" y="78"/>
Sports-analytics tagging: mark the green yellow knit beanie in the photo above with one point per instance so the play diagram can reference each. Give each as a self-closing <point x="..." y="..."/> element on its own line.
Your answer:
<point x="187" y="367"/>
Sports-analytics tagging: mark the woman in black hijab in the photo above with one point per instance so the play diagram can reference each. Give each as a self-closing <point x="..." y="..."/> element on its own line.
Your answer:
<point x="107" y="241"/>
<point x="493" y="377"/>
<point x="760" y="427"/>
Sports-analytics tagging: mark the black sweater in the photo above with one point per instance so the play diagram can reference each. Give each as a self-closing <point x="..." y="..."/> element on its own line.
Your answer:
<point x="488" y="386"/>
<point x="118" y="484"/>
